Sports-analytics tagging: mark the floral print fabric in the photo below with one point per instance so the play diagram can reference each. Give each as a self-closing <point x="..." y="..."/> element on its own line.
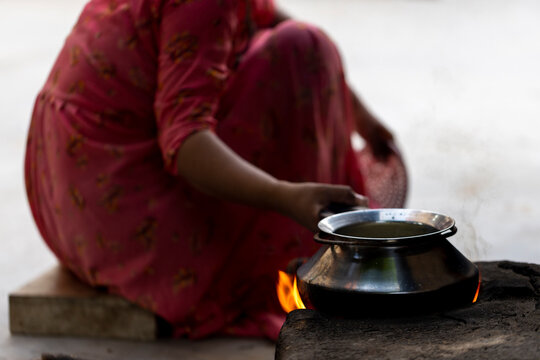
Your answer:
<point x="135" y="79"/>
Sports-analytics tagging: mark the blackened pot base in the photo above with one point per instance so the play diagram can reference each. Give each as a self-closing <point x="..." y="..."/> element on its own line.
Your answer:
<point x="355" y="304"/>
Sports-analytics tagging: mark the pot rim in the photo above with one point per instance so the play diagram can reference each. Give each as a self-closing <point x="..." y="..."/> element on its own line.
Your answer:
<point x="444" y="225"/>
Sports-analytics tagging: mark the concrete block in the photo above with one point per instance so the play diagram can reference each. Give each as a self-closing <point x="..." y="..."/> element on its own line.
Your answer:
<point x="58" y="304"/>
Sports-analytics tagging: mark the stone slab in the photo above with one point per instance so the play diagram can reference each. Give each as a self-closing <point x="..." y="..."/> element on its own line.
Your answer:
<point x="58" y="304"/>
<point x="503" y="324"/>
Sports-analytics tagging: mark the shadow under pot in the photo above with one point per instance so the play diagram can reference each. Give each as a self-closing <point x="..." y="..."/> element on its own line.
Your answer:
<point x="387" y="261"/>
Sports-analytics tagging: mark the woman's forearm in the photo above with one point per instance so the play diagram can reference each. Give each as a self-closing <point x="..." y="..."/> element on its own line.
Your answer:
<point x="212" y="167"/>
<point x="362" y="114"/>
<point x="378" y="137"/>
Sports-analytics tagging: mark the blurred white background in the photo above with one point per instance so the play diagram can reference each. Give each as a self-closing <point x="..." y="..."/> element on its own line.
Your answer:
<point x="458" y="82"/>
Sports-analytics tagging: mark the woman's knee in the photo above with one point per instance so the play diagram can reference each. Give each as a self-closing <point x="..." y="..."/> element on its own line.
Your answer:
<point x="300" y="40"/>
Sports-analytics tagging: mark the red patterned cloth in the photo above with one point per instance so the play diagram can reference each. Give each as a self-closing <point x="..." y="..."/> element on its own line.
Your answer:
<point x="135" y="79"/>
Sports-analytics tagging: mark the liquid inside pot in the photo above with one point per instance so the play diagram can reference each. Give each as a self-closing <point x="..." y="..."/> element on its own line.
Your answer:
<point x="385" y="229"/>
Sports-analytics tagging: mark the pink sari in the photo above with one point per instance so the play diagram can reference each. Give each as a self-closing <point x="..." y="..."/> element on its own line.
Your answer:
<point x="133" y="81"/>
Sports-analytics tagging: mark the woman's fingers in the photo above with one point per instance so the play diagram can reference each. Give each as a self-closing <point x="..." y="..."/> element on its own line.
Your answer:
<point x="339" y="199"/>
<point x="345" y="195"/>
<point x="339" y="194"/>
<point x="361" y="200"/>
<point x="304" y="202"/>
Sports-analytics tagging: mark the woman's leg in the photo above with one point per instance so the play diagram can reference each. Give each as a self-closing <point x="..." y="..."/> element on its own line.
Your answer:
<point x="287" y="108"/>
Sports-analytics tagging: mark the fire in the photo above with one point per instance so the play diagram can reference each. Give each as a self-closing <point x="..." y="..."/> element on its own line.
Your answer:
<point x="478" y="288"/>
<point x="287" y="292"/>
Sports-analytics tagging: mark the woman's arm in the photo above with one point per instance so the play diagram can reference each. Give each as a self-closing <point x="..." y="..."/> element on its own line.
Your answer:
<point x="212" y="167"/>
<point x="378" y="137"/>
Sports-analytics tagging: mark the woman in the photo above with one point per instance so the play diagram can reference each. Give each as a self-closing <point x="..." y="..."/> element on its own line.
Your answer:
<point x="181" y="150"/>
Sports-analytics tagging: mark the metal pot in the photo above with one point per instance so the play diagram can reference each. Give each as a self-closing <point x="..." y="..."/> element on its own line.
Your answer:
<point x="358" y="275"/>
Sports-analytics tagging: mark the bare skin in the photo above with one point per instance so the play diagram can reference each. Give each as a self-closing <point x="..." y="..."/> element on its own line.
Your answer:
<point x="226" y="175"/>
<point x="377" y="136"/>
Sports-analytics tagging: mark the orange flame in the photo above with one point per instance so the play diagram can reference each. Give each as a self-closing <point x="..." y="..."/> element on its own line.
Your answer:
<point x="287" y="292"/>
<point x="478" y="288"/>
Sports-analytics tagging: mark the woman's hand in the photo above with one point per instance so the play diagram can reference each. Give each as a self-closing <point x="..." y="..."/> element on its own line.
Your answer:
<point x="303" y="202"/>
<point x="377" y="136"/>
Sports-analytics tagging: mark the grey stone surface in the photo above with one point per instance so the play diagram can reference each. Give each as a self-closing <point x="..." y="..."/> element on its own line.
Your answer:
<point x="503" y="324"/>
